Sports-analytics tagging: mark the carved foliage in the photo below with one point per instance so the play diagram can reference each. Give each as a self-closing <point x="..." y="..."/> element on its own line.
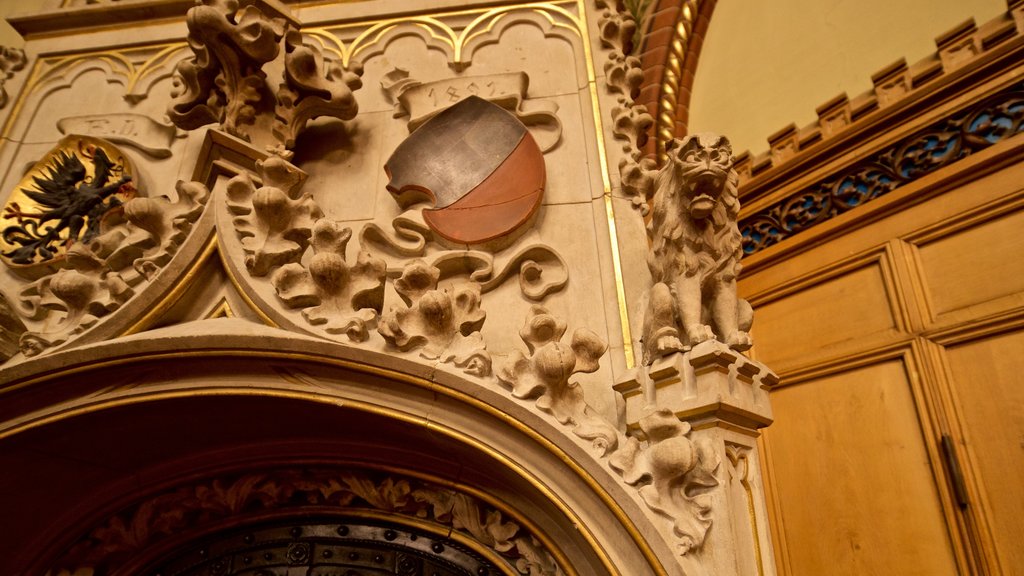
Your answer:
<point x="631" y="121"/>
<point x="336" y="296"/>
<point x="443" y="323"/>
<point x="273" y="221"/>
<point x="673" y="473"/>
<point x="204" y="503"/>
<point x="313" y="86"/>
<point x="11" y="61"/>
<point x="104" y="274"/>
<point x="545" y="373"/>
<point x="226" y="81"/>
<point x="994" y="119"/>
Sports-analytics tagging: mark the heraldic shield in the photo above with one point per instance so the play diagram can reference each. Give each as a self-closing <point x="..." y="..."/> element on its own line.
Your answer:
<point x="479" y="166"/>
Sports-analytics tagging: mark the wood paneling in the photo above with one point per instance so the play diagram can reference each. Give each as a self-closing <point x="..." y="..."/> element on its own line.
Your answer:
<point x="970" y="266"/>
<point x="988" y="382"/>
<point x="808" y="321"/>
<point x="852" y="479"/>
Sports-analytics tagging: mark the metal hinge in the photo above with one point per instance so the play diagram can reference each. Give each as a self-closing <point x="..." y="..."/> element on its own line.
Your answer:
<point x="956" y="475"/>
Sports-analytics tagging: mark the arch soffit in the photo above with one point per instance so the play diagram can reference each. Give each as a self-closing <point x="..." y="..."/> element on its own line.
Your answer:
<point x="581" y="498"/>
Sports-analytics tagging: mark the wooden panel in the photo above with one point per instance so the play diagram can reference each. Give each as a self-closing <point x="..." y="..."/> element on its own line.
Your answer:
<point x="851" y="479"/>
<point x="840" y="310"/>
<point x="987" y="381"/>
<point x="974" y="265"/>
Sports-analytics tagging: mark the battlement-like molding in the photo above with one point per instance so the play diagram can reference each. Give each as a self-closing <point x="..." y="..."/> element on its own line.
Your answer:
<point x="896" y="84"/>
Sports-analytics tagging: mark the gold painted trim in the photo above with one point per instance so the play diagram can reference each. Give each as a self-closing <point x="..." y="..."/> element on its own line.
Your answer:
<point x="181" y="286"/>
<point x="368" y="408"/>
<point x="671" y="81"/>
<point x="435" y="388"/>
<point x="221" y="310"/>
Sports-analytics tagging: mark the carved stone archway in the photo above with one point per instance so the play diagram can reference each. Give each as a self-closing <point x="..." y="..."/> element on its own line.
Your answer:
<point x="272" y="430"/>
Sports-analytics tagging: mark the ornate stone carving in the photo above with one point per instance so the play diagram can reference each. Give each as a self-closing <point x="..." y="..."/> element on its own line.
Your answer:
<point x="11" y="329"/>
<point x="273" y="221"/>
<point x="695" y="251"/>
<point x="673" y="473"/>
<point x="631" y="121"/>
<point x="11" y="61"/>
<point x="62" y="200"/>
<point x="338" y="297"/>
<point x="141" y="132"/>
<point x="226" y="81"/>
<point x="204" y="503"/>
<point x="314" y="86"/>
<point x="545" y="374"/>
<point x="964" y="132"/>
<point x="541" y="269"/>
<point x="421" y="101"/>
<point x="103" y="274"/>
<point x="443" y="323"/>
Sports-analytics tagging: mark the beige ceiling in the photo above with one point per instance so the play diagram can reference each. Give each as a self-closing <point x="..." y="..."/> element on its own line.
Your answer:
<point x="767" y="63"/>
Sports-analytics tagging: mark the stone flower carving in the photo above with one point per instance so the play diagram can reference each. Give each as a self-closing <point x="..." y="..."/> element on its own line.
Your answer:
<point x="226" y="81"/>
<point x="443" y="323"/>
<point x="546" y="372"/>
<point x="673" y="473"/>
<point x="336" y="296"/>
<point x="103" y="274"/>
<point x="273" y="221"/>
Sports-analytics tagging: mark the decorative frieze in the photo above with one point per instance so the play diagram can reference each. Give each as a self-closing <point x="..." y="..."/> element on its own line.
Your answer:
<point x="962" y="133"/>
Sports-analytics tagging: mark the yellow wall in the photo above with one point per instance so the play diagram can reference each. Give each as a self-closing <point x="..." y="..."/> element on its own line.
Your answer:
<point x="766" y="64"/>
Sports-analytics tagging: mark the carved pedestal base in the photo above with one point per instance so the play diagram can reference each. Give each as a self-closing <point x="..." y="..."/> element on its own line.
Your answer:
<point x="723" y="396"/>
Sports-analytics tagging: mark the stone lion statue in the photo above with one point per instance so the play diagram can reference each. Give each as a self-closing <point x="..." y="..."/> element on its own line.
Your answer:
<point x="695" y="251"/>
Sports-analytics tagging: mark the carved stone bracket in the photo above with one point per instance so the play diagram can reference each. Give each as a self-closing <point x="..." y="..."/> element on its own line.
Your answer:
<point x="717" y="399"/>
<point x="443" y="324"/>
<point x="103" y="274"/>
<point x="227" y="82"/>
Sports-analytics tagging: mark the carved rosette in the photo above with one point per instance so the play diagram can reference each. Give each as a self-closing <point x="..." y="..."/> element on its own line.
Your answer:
<point x="444" y="324"/>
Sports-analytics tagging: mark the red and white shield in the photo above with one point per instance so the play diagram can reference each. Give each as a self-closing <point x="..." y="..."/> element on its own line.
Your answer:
<point x="479" y="166"/>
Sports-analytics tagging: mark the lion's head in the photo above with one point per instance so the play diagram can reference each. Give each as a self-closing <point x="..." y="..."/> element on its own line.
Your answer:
<point x="696" y="200"/>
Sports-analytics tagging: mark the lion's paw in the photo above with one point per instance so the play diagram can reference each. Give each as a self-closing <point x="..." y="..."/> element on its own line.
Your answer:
<point x="739" y="340"/>
<point x="668" y="344"/>
<point x="699" y="333"/>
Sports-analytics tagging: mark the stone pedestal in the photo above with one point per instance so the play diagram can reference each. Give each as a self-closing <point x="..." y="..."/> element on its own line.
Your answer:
<point x="723" y="396"/>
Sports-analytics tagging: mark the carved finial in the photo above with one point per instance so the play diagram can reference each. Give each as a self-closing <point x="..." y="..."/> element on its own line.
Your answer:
<point x="226" y="81"/>
<point x="695" y="251"/>
<point x="11" y="60"/>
